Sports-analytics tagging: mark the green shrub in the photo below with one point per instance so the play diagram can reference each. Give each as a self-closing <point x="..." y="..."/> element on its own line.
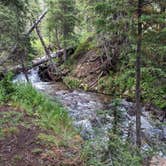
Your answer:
<point x="122" y="84"/>
<point x="92" y="153"/>
<point x="2" y="94"/>
<point x="6" y="87"/>
<point x="106" y="85"/>
<point x="72" y="83"/>
<point x="118" y="153"/>
<point x="38" y="48"/>
<point x="122" y="153"/>
<point x="154" y="86"/>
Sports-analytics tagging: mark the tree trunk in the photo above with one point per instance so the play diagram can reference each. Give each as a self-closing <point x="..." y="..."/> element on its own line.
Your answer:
<point x="65" y="34"/>
<point x="44" y="45"/>
<point x="36" y="62"/>
<point x="36" y="22"/>
<point x="23" y="54"/>
<point x="138" y="76"/>
<point x="57" y="39"/>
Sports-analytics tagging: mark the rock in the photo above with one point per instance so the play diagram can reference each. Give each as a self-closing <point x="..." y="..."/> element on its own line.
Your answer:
<point x="158" y="161"/>
<point x="151" y="132"/>
<point x="85" y="126"/>
<point x="164" y="133"/>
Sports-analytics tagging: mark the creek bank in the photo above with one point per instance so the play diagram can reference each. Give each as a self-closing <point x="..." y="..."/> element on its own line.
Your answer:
<point x="92" y="115"/>
<point x="23" y="141"/>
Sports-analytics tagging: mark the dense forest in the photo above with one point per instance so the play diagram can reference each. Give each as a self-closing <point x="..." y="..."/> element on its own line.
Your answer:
<point x="82" y="82"/>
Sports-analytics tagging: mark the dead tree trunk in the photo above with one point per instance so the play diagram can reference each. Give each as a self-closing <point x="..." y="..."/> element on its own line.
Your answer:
<point x="36" y="62"/>
<point x="44" y="45"/>
<point x="138" y="76"/>
<point x="14" y="48"/>
<point x="57" y="39"/>
<point x="23" y="54"/>
<point x="53" y="67"/>
<point x="36" y="22"/>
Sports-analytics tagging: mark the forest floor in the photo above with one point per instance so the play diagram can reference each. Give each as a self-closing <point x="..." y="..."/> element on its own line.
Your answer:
<point x="22" y="143"/>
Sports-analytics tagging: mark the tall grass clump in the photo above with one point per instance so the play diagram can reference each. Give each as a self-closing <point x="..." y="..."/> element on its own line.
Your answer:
<point x="48" y="113"/>
<point x="51" y="114"/>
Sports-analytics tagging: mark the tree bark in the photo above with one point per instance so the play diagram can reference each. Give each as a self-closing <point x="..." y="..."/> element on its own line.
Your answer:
<point x="44" y="45"/>
<point x="57" y="39"/>
<point x="36" y="22"/>
<point x="138" y="76"/>
<point x="54" y="68"/>
<point x="35" y="63"/>
<point x="23" y="54"/>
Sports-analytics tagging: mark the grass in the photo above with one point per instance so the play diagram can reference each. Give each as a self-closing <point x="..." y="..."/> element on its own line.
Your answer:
<point x="8" y="122"/>
<point x="52" y="118"/>
<point x="48" y="114"/>
<point x="28" y="115"/>
<point x="72" y="83"/>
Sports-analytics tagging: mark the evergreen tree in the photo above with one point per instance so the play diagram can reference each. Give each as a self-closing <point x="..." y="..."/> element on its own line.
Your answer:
<point x="124" y="33"/>
<point x="61" y="22"/>
<point x="15" y="23"/>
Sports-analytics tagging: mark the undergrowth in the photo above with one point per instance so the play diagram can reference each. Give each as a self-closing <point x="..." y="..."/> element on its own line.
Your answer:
<point x="153" y="85"/>
<point x="82" y="48"/>
<point x="49" y="114"/>
<point x="118" y="153"/>
<point x="72" y="83"/>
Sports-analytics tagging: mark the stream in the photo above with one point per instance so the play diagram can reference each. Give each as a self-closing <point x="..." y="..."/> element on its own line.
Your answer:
<point x="92" y="114"/>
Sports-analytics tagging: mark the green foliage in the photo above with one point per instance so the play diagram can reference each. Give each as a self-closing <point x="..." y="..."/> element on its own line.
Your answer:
<point x="6" y="87"/>
<point x="122" y="153"/>
<point x="47" y="139"/>
<point x="82" y="48"/>
<point x="119" y="153"/>
<point x="91" y="153"/>
<point x="117" y="114"/>
<point x="2" y="94"/>
<point x="61" y="21"/>
<point x="106" y="85"/>
<point x="7" y="26"/>
<point x="8" y="122"/>
<point x="154" y="86"/>
<point x="38" y="48"/>
<point x="122" y="84"/>
<point x="51" y="115"/>
<point x="72" y="83"/>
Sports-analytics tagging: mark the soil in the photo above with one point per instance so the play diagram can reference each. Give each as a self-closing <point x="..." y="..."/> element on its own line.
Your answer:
<point x="22" y="147"/>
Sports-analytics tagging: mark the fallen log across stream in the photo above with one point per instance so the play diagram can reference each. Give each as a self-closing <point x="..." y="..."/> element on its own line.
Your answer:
<point x="36" y="62"/>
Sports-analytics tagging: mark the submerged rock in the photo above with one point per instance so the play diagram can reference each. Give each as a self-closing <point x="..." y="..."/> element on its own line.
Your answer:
<point x="86" y="129"/>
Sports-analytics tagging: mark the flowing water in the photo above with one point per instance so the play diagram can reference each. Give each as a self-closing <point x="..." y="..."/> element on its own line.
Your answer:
<point x="92" y="112"/>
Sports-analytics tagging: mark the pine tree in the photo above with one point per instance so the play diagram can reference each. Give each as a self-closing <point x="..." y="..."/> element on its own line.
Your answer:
<point x="14" y="25"/>
<point x="61" y="22"/>
<point x="125" y="33"/>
